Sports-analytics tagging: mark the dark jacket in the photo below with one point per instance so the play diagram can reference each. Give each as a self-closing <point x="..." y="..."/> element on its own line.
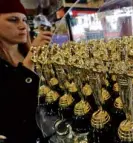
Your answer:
<point x="18" y="101"/>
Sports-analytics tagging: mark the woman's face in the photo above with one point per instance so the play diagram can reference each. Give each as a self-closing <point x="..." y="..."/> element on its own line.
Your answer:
<point x="13" y="28"/>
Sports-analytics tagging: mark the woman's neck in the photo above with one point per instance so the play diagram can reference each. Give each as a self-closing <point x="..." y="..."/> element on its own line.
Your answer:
<point x="11" y="50"/>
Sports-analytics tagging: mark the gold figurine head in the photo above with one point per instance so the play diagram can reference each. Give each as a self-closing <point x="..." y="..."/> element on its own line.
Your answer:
<point x="43" y="90"/>
<point x="99" y="119"/>
<point x="72" y="87"/>
<point x="118" y="103"/>
<point x="53" y="81"/>
<point x="125" y="131"/>
<point x="81" y="108"/>
<point x="105" y="94"/>
<point x="51" y="97"/>
<point x="87" y="90"/>
<point x="116" y="87"/>
<point x="66" y="100"/>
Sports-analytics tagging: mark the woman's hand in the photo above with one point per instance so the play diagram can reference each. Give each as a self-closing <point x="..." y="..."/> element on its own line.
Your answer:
<point x="44" y="37"/>
<point x="2" y="137"/>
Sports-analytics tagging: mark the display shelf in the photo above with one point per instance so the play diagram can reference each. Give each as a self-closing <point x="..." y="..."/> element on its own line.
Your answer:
<point x="90" y="4"/>
<point x="77" y="5"/>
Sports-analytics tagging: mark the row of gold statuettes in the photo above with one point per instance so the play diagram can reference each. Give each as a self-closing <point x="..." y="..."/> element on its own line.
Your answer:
<point x="79" y="82"/>
<point x="114" y="56"/>
<point x="84" y="114"/>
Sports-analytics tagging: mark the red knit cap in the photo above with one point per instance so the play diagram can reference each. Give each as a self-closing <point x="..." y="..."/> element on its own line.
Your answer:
<point x="9" y="6"/>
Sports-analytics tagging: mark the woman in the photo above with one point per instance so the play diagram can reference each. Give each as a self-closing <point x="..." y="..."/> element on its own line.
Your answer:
<point x="18" y="81"/>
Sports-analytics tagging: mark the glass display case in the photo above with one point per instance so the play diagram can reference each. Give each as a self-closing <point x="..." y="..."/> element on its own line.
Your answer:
<point x="114" y="19"/>
<point x="84" y="24"/>
<point x="96" y="67"/>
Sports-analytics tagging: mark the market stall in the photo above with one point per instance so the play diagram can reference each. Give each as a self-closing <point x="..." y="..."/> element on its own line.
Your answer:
<point x="86" y="87"/>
